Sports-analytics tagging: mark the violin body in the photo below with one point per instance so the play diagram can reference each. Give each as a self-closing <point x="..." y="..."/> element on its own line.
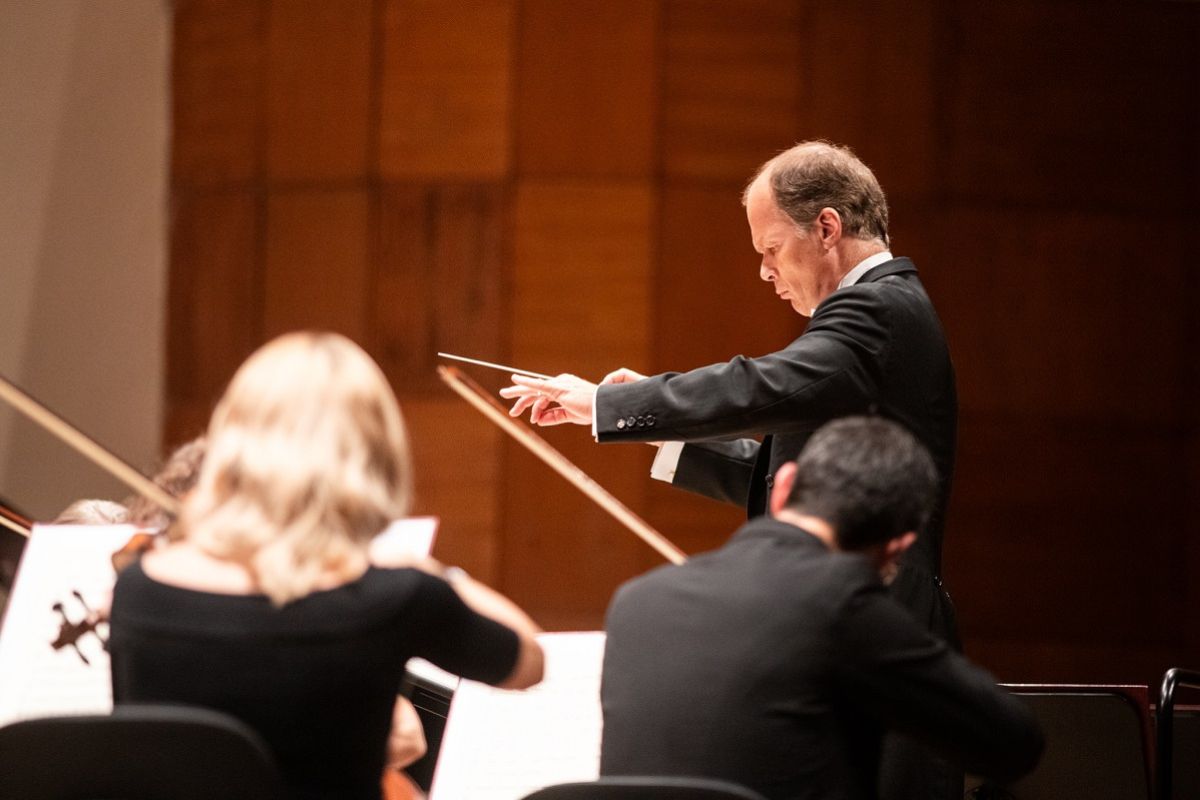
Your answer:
<point x="138" y="545"/>
<point x="398" y="786"/>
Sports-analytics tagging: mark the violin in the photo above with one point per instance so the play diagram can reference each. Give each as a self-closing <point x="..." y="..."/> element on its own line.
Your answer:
<point x="397" y="785"/>
<point x="85" y="446"/>
<point x="69" y="633"/>
<point x="139" y="544"/>
<point x="15" y="522"/>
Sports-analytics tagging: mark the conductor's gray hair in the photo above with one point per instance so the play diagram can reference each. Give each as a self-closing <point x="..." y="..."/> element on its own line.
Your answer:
<point x="814" y="175"/>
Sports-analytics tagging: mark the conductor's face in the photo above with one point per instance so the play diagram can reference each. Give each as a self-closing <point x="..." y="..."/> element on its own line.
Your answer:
<point x="792" y="258"/>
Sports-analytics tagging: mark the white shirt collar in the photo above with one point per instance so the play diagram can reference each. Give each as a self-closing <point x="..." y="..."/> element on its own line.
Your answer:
<point x="861" y="268"/>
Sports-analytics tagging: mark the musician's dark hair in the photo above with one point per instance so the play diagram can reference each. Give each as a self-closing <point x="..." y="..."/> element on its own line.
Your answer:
<point x="867" y="477"/>
<point x="177" y="477"/>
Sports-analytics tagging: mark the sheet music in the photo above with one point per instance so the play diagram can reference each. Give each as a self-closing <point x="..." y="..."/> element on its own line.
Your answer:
<point x="434" y="674"/>
<point x="35" y="679"/>
<point x="502" y="745"/>
<point x="404" y="539"/>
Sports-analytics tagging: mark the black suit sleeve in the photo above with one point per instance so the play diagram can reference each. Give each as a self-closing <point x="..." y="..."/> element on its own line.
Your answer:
<point x="720" y="470"/>
<point x="830" y="371"/>
<point x="916" y="684"/>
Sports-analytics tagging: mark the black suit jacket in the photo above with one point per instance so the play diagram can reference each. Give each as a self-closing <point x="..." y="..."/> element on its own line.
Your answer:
<point x="776" y="663"/>
<point x="876" y="347"/>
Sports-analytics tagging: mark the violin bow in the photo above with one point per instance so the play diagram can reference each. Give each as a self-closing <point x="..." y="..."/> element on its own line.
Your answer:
<point x="474" y="394"/>
<point x="85" y="446"/>
<point x="15" y="522"/>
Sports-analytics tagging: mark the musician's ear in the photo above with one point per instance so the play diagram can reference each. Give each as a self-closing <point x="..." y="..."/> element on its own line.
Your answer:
<point x="785" y="478"/>
<point x="895" y="547"/>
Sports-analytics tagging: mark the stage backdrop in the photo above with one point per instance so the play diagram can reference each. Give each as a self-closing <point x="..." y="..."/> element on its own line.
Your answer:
<point x="556" y="185"/>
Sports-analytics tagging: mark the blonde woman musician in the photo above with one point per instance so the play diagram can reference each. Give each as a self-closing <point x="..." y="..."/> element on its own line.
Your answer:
<point x="268" y="608"/>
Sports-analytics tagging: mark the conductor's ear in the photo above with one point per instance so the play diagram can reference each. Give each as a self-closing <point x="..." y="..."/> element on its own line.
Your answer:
<point x="829" y="225"/>
<point x="785" y="479"/>
<point x="896" y="547"/>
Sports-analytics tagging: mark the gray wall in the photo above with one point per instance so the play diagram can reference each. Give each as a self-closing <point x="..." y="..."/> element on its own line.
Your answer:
<point x="84" y="99"/>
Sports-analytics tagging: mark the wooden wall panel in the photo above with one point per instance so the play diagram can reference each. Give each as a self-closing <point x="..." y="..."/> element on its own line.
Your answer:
<point x="1059" y="509"/>
<point x="1188" y="557"/>
<point x="1189" y="469"/>
<point x="319" y="78"/>
<point x="586" y="94"/>
<point x="731" y="78"/>
<point x="582" y="262"/>
<point x="871" y="82"/>
<point x="214" y="302"/>
<point x="1068" y="504"/>
<point x="555" y="185"/>
<point x="217" y="87"/>
<point x="456" y="455"/>
<point x="446" y="88"/>
<point x="582" y="258"/>
<point x="440" y="280"/>
<point x="693" y="523"/>
<point x="1039" y="316"/>
<point x="317" y="270"/>
<point x="1072" y="104"/>
<point x="695" y="323"/>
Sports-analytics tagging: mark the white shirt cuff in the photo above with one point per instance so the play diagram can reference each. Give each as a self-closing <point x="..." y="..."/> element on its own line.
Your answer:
<point x="665" y="463"/>
<point x="595" y="392"/>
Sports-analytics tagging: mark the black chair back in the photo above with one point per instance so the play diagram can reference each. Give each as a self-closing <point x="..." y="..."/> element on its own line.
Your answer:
<point x="139" y="752"/>
<point x="1097" y="745"/>
<point x="646" y="788"/>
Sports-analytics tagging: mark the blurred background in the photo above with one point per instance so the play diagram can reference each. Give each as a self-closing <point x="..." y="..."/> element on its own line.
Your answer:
<point x="555" y="184"/>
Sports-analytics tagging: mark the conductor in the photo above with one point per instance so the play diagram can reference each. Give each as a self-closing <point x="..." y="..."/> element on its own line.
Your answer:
<point x="873" y="346"/>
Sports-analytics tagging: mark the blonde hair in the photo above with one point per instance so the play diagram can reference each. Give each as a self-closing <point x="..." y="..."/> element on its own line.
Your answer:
<point x="307" y="461"/>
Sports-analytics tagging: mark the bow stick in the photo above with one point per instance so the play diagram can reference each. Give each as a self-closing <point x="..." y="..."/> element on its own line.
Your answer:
<point x="491" y="365"/>
<point x="15" y="522"/>
<point x="85" y="446"/>
<point x="483" y="402"/>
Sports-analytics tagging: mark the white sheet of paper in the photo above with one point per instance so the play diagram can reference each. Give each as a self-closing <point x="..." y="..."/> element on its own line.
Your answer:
<point x="421" y="668"/>
<point x="502" y="745"/>
<point x="408" y="538"/>
<point x="35" y="679"/>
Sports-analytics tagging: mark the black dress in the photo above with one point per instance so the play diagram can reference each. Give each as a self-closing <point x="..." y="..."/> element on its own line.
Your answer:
<point x="317" y="678"/>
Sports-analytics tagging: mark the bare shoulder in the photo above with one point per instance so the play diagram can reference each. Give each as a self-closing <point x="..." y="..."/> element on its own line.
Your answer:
<point x="184" y="565"/>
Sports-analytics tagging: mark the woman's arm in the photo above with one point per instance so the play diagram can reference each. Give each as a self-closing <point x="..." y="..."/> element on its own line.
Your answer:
<point x="486" y="601"/>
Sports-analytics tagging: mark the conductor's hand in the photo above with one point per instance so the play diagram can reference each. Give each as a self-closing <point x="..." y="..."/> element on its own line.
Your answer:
<point x="623" y="375"/>
<point x="563" y="398"/>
